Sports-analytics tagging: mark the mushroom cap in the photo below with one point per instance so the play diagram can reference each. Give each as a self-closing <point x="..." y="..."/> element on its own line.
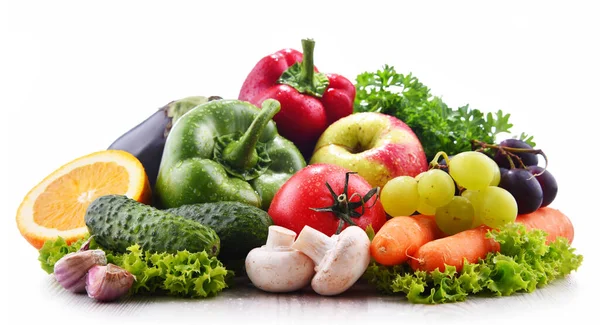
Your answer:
<point x="344" y="264"/>
<point x="279" y="270"/>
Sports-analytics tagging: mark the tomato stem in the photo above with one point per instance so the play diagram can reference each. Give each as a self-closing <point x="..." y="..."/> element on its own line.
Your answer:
<point x="344" y="208"/>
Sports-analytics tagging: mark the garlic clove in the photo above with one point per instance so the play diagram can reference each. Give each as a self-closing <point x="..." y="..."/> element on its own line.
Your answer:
<point x="108" y="283"/>
<point x="71" y="269"/>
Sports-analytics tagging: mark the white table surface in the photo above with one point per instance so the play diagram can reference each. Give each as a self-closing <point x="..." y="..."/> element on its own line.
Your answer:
<point x="75" y="75"/>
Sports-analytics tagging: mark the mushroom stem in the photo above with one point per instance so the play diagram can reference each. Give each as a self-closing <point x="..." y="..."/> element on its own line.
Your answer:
<point x="280" y="237"/>
<point x="314" y="244"/>
<point x="275" y="266"/>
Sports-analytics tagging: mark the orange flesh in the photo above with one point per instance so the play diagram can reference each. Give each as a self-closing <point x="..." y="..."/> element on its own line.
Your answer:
<point x="63" y="210"/>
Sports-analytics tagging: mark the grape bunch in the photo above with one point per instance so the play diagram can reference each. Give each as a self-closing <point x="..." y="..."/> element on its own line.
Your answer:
<point x="531" y="185"/>
<point x="478" y="201"/>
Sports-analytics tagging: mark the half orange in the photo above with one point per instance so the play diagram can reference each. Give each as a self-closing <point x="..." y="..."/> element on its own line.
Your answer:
<point x="57" y="205"/>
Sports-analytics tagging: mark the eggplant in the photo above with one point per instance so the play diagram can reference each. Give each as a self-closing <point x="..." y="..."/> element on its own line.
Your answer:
<point x="146" y="141"/>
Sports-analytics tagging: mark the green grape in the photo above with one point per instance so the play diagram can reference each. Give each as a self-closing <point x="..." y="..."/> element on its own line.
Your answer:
<point x="496" y="178"/>
<point x="471" y="170"/>
<point x="497" y="207"/>
<point x="455" y="216"/>
<point x="399" y="196"/>
<point x="436" y="187"/>
<point x="473" y="197"/>
<point x="425" y="209"/>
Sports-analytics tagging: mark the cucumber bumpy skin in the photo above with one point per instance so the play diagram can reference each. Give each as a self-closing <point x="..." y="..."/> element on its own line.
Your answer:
<point x="117" y="222"/>
<point x="240" y="227"/>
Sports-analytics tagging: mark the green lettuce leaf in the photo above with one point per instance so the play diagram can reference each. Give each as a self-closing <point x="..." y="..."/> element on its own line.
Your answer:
<point x="54" y="250"/>
<point x="193" y="275"/>
<point x="184" y="274"/>
<point x="524" y="263"/>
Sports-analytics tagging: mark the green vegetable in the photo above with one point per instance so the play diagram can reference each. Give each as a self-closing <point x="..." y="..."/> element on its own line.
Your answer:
<point x="438" y="127"/>
<point x="183" y="274"/>
<point x="241" y="227"/>
<point x="524" y="263"/>
<point x="54" y="250"/>
<point x="117" y="222"/>
<point x="226" y="150"/>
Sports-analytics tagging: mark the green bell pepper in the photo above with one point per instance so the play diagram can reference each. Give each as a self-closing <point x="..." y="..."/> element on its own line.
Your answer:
<point x="226" y="150"/>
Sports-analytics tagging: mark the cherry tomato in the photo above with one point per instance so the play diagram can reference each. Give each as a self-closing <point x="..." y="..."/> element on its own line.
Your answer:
<point x="292" y="206"/>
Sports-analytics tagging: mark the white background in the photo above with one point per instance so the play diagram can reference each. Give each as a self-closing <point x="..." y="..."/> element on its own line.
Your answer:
<point x="74" y="75"/>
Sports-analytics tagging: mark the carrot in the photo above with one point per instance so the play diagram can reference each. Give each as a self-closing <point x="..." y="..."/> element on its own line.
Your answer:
<point x="401" y="236"/>
<point x="469" y="244"/>
<point x="552" y="221"/>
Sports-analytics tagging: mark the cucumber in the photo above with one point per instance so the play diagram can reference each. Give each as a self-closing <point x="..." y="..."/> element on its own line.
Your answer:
<point x="240" y="227"/>
<point x="117" y="222"/>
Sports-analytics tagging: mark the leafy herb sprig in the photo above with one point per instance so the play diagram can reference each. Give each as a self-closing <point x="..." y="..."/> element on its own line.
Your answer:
<point x="438" y="127"/>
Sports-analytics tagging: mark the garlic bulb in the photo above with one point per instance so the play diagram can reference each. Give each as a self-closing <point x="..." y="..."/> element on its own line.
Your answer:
<point x="108" y="283"/>
<point x="71" y="269"/>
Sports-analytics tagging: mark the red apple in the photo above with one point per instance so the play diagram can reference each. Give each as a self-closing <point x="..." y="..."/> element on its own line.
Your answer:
<point x="377" y="146"/>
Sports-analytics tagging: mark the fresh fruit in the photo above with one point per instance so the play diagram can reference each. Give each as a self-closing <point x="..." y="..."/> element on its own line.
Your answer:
<point x="547" y="182"/>
<point x="377" y="146"/>
<point x="501" y="156"/>
<point x="436" y="188"/>
<point x="497" y="173"/>
<point x="424" y="208"/>
<point x="400" y="196"/>
<point x="455" y="216"/>
<point x="473" y="197"/>
<point x="472" y="170"/>
<point x="241" y="227"/>
<point x="327" y="198"/>
<point x="524" y="187"/>
<point x="497" y="207"/>
<point x="56" y="206"/>
<point x="117" y="222"/>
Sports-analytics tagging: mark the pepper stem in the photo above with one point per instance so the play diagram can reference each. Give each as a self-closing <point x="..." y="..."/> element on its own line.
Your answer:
<point x="301" y="75"/>
<point x="307" y="74"/>
<point x="242" y="153"/>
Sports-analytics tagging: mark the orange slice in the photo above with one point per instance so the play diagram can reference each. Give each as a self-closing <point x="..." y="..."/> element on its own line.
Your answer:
<point x="57" y="205"/>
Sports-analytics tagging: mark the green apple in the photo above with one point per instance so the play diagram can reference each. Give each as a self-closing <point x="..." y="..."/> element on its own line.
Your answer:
<point x="377" y="146"/>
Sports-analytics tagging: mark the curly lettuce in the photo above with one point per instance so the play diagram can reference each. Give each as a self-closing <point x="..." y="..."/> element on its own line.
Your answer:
<point x="524" y="263"/>
<point x="54" y="250"/>
<point x="183" y="274"/>
<point x="193" y="275"/>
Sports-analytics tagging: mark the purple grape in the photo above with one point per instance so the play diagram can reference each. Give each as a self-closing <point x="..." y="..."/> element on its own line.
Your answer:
<point x="529" y="159"/>
<point x="547" y="182"/>
<point x="525" y="188"/>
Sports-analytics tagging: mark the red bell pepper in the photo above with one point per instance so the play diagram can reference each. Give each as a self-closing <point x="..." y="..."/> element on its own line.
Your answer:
<point x="310" y="100"/>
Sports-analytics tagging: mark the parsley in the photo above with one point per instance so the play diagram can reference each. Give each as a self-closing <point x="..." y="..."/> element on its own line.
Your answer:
<point x="438" y="127"/>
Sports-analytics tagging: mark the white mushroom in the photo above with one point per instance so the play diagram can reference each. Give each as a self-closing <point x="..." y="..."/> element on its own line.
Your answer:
<point x="276" y="266"/>
<point x="340" y="259"/>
